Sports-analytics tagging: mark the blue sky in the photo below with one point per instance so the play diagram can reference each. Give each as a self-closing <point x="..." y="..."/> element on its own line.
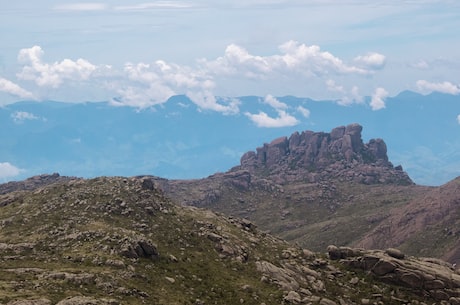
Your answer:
<point x="139" y="54"/>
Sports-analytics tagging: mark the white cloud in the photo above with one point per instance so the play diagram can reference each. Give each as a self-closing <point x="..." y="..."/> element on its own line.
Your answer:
<point x="458" y="119"/>
<point x="378" y="99"/>
<point x="82" y="6"/>
<point x="144" y="85"/>
<point x="14" y="89"/>
<point x="263" y="120"/>
<point x="207" y="101"/>
<point x="304" y="111"/>
<point x="21" y="116"/>
<point x="373" y="61"/>
<point x="444" y="87"/>
<point x="7" y="170"/>
<point x="52" y="75"/>
<point x="274" y="102"/>
<point x="312" y="59"/>
<point x="332" y="86"/>
<point x="294" y="58"/>
<point x="155" y="83"/>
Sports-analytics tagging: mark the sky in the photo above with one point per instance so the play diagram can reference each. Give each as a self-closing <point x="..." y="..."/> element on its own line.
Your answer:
<point x="139" y="54"/>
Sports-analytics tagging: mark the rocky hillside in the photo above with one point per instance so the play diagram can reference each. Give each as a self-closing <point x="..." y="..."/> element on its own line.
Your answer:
<point x="115" y="240"/>
<point x="318" y="188"/>
<point x="428" y="225"/>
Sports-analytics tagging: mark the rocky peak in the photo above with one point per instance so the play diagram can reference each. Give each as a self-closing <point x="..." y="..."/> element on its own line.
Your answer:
<point x="317" y="155"/>
<point x="33" y="182"/>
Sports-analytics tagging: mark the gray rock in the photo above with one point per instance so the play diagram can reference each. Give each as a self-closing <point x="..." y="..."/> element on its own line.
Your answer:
<point x="293" y="297"/>
<point x="395" y="253"/>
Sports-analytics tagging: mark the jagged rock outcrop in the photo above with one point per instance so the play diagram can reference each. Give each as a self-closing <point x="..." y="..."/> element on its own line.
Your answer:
<point x="432" y="277"/>
<point x="314" y="156"/>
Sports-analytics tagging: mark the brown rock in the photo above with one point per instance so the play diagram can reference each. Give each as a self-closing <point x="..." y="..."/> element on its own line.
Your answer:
<point x="395" y="253"/>
<point x="383" y="267"/>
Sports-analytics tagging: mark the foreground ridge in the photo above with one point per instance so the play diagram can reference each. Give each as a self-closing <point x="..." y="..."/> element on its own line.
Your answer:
<point x="118" y="240"/>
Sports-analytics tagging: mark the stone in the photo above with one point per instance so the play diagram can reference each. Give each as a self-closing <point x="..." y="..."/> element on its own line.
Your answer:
<point x="325" y="301"/>
<point x="281" y="276"/>
<point x="293" y="297"/>
<point x="395" y="253"/>
<point x="132" y="248"/>
<point x="334" y="252"/>
<point x="147" y="184"/>
<point x="383" y="267"/>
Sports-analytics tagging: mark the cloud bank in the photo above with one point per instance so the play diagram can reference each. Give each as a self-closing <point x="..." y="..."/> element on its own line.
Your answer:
<point x="444" y="87"/>
<point x="144" y="85"/>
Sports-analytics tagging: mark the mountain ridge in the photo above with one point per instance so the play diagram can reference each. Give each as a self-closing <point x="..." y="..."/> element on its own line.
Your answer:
<point x="90" y="140"/>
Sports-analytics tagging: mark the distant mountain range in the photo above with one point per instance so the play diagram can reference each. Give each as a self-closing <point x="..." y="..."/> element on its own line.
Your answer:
<point x="178" y="140"/>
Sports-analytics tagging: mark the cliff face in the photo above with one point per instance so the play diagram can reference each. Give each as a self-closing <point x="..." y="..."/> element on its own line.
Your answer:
<point x="314" y="156"/>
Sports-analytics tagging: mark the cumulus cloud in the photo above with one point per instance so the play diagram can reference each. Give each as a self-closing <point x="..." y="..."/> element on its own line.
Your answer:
<point x="274" y="102"/>
<point x="21" y="116"/>
<point x="373" y="61"/>
<point x="7" y="170"/>
<point x="294" y="57"/>
<point x="303" y="111"/>
<point x="51" y="75"/>
<point x="207" y="101"/>
<point x="155" y="83"/>
<point x="144" y="85"/>
<point x="458" y="119"/>
<point x="14" y="89"/>
<point x="264" y="120"/>
<point x="378" y="99"/>
<point x="444" y="87"/>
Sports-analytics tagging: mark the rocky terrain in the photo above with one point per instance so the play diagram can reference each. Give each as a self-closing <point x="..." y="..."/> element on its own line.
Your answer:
<point x="117" y="240"/>
<point x="318" y="188"/>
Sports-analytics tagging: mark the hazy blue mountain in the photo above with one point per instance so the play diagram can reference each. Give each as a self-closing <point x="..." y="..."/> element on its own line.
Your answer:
<point x="177" y="140"/>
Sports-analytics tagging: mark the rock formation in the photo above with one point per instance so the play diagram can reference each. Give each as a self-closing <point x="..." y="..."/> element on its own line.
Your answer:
<point x="433" y="278"/>
<point x="314" y="156"/>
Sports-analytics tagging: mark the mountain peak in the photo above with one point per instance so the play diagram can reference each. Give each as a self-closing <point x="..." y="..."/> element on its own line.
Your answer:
<point x="315" y="156"/>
